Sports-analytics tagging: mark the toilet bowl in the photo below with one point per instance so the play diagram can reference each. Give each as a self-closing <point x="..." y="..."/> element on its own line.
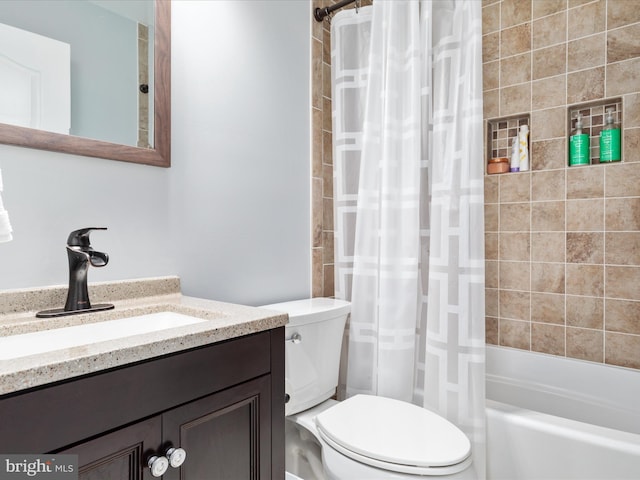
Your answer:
<point x="363" y="437"/>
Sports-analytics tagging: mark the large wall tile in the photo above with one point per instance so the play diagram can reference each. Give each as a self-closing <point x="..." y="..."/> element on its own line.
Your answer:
<point x="515" y="40"/>
<point x="515" y="334"/>
<point x="491" y="302"/>
<point x="547" y="216"/>
<point x="515" y="217"/>
<point x="491" y="47"/>
<point x="515" y="304"/>
<point x="622" y="77"/>
<point x="587" y="52"/>
<point x="542" y="8"/>
<point x="585" y="215"/>
<point x="549" y="92"/>
<point x="549" y="123"/>
<point x="547" y="338"/>
<point x="317" y="272"/>
<point x="515" y="246"/>
<point x="515" y="276"/>
<point x="548" y="185"/>
<point x="491" y="246"/>
<point x="550" y="61"/>
<point x="516" y="69"/>
<point x="619" y="13"/>
<point x="490" y="75"/>
<point x="550" y="30"/>
<point x="623" y="316"/>
<point x="547" y="277"/>
<point x="491" y="188"/>
<point x="317" y="211"/>
<point x="622" y="214"/>
<point x="516" y="99"/>
<point x="548" y="247"/>
<point x="622" y="349"/>
<point x="548" y="154"/>
<point x="585" y="247"/>
<point x="622" y="248"/>
<point x="491" y="331"/>
<point x="622" y="43"/>
<point x="585" y="85"/>
<point x="514" y="12"/>
<point x="491" y="18"/>
<point x="491" y="217"/>
<point x="585" y="344"/>
<point x="622" y="282"/>
<point x="632" y="110"/>
<point x="547" y="308"/>
<point x="585" y="312"/>
<point x="515" y="188"/>
<point x="622" y="180"/>
<point x="491" y="273"/>
<point x="631" y="145"/>
<point x="587" y="19"/>
<point x="585" y="182"/>
<point x="586" y="280"/>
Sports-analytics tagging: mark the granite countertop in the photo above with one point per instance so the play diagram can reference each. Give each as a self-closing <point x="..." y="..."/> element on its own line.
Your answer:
<point x="130" y="298"/>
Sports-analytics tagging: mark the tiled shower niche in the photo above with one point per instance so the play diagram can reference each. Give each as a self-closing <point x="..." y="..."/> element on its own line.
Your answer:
<point x="593" y="121"/>
<point x="500" y="132"/>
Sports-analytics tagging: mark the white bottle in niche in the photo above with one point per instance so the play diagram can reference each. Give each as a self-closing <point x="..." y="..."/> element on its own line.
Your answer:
<point x="523" y="140"/>
<point x="515" y="155"/>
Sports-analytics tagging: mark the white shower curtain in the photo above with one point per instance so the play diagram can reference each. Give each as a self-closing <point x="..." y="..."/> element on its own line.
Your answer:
<point x="408" y="200"/>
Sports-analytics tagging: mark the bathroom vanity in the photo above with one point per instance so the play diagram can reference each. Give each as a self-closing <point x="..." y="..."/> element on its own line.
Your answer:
<point x="214" y="389"/>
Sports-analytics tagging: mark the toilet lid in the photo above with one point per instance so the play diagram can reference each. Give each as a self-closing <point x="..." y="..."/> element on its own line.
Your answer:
<point x="393" y="432"/>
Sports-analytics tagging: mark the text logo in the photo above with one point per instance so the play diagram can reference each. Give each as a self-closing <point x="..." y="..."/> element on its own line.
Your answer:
<point x="49" y="467"/>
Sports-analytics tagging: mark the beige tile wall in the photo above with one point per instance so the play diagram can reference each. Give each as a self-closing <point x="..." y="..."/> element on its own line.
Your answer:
<point x="322" y="159"/>
<point x="322" y="282"/>
<point x="563" y="244"/>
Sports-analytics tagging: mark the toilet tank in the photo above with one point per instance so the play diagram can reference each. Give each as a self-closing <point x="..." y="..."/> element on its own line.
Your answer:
<point x="313" y="341"/>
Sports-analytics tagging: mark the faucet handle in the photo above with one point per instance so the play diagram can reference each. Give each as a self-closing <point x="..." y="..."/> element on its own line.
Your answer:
<point x="80" y="238"/>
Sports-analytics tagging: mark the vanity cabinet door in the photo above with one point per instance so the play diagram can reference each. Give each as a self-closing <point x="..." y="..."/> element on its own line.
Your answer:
<point x="120" y="455"/>
<point x="226" y="435"/>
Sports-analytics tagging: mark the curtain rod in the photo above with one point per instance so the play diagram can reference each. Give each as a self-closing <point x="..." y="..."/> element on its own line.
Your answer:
<point x="320" y="13"/>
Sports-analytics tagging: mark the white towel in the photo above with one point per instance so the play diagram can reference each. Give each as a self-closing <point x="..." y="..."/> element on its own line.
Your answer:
<point x="5" y="225"/>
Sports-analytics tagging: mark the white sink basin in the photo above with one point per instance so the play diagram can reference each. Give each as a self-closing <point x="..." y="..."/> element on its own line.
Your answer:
<point x="16" y="346"/>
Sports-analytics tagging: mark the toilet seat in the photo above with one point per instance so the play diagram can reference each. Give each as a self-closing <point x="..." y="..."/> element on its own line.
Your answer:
<point x="394" y="435"/>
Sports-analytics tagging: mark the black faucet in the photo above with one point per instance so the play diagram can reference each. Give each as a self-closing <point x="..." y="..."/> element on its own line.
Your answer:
<point x="81" y="255"/>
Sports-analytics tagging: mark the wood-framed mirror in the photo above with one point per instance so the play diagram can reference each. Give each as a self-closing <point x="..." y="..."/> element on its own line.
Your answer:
<point x="159" y="154"/>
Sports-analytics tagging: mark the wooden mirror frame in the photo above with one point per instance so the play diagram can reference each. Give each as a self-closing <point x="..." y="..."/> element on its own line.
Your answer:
<point x="159" y="156"/>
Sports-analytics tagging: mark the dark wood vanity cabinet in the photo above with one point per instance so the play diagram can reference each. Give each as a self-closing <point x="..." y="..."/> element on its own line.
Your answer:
<point x="119" y="455"/>
<point x="223" y="404"/>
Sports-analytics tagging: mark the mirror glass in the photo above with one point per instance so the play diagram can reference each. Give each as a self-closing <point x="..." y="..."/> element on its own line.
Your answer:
<point x="87" y="77"/>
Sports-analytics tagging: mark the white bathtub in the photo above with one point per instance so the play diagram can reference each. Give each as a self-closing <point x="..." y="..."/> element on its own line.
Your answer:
<point x="554" y="418"/>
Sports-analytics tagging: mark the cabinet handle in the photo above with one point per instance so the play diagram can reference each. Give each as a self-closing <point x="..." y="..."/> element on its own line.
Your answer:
<point x="158" y="465"/>
<point x="176" y="457"/>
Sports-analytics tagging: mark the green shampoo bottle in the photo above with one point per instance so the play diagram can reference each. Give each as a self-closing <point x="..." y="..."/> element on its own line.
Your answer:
<point x="610" y="140"/>
<point x="579" y="145"/>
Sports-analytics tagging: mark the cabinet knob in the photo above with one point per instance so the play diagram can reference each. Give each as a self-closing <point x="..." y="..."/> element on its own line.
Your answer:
<point x="176" y="457"/>
<point x="158" y="465"/>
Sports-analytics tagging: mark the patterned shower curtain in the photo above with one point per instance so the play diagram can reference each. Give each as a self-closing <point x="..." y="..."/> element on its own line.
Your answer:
<point x="408" y="200"/>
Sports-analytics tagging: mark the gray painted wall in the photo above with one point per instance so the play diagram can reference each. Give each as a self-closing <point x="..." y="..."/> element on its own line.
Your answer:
<point x="232" y="216"/>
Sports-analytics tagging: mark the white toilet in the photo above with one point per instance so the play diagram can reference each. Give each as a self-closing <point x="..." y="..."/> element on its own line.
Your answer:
<point x="364" y="437"/>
